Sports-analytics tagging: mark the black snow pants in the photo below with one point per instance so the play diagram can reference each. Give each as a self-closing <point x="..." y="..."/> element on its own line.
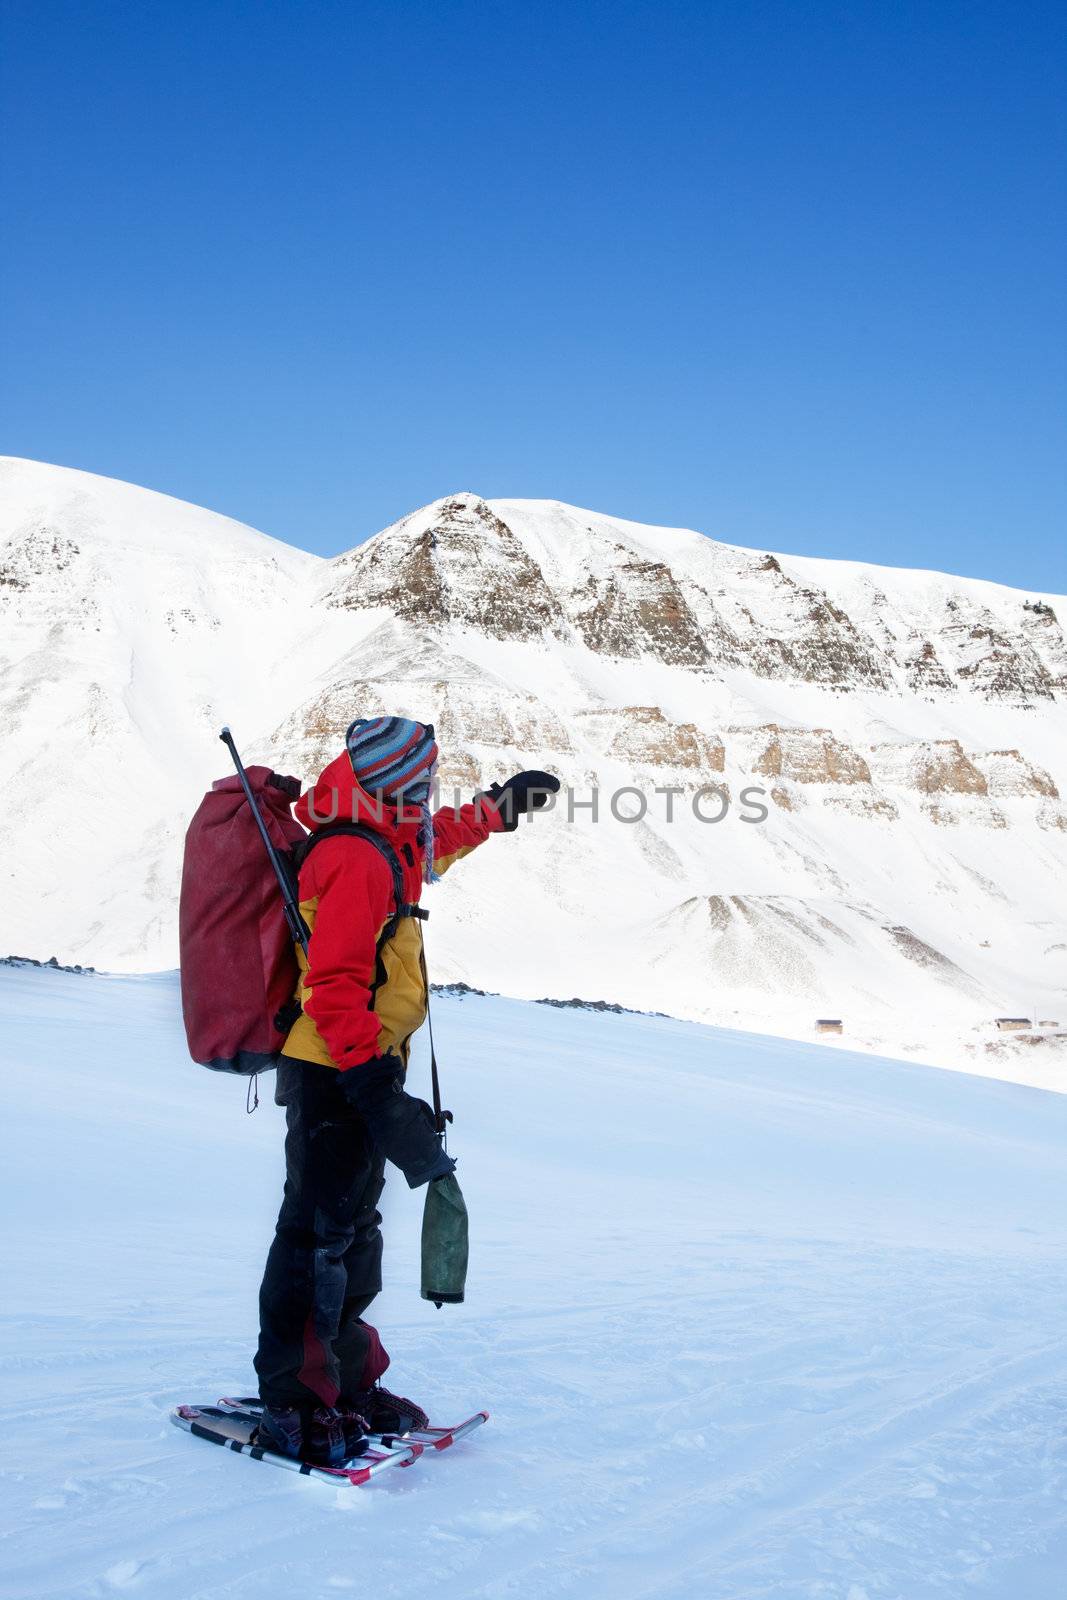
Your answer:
<point x="325" y="1264"/>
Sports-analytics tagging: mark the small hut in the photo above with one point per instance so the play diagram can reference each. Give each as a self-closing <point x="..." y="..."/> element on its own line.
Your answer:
<point x="829" y="1025"/>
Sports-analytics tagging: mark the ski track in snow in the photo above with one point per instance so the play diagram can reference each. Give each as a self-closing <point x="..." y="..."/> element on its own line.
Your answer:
<point x="752" y="1320"/>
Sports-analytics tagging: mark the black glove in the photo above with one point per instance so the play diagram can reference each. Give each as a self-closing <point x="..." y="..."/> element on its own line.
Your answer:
<point x="525" y="792"/>
<point x="402" y="1126"/>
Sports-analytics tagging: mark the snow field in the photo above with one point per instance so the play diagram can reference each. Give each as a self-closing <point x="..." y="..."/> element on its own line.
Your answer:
<point x="754" y="1319"/>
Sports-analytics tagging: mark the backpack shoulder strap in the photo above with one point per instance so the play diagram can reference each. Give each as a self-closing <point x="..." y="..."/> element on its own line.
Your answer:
<point x="355" y="830"/>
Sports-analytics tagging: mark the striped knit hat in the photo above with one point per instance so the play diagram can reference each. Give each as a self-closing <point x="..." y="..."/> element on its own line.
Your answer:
<point x="397" y="757"/>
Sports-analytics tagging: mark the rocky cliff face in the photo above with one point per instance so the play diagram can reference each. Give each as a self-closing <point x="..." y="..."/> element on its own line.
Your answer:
<point x="461" y="567"/>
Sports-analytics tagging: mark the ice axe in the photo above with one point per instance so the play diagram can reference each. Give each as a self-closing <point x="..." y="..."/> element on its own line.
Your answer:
<point x="298" y="928"/>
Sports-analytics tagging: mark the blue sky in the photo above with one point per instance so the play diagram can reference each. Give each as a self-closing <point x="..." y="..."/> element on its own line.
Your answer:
<point x="791" y="274"/>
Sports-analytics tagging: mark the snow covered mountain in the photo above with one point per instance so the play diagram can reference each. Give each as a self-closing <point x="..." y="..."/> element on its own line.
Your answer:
<point x="906" y="729"/>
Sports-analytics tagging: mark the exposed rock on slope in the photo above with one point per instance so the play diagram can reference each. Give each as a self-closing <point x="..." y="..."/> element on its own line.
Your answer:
<point x="937" y="766"/>
<point x="463" y="566"/>
<point x="1007" y="773"/>
<point x="807" y="755"/>
<point x="648" y="738"/>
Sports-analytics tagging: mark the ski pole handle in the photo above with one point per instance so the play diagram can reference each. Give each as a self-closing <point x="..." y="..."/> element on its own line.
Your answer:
<point x="297" y="926"/>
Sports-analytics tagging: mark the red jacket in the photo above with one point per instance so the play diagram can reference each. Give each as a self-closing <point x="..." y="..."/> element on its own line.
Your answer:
<point x="359" y="1001"/>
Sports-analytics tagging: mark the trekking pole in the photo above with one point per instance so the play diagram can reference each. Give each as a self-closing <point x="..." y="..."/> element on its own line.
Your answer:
<point x="297" y="926"/>
<point x="441" y="1117"/>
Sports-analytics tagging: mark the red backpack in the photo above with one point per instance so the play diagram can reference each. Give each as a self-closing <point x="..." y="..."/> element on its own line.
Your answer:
<point x="238" y="962"/>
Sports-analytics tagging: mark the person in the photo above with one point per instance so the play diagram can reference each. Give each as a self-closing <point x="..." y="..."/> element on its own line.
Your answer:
<point x="362" y="995"/>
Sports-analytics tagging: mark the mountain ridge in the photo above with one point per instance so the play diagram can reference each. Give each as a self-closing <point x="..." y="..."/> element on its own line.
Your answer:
<point x="905" y="727"/>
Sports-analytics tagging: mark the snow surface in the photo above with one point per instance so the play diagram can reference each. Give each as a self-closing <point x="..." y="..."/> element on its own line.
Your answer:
<point x="755" y="1320"/>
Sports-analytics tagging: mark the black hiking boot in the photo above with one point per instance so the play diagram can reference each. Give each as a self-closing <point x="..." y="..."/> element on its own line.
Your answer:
<point x="356" y="1428"/>
<point x="386" y="1412"/>
<point x="305" y="1433"/>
